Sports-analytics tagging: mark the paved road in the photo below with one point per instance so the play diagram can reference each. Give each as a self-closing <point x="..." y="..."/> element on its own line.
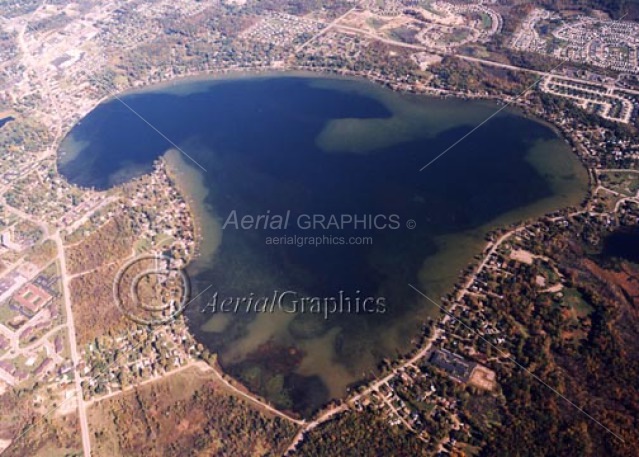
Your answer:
<point x="328" y="414"/>
<point x="43" y="340"/>
<point x="43" y="227"/>
<point x="203" y="367"/>
<point x="75" y="358"/>
<point x="617" y="170"/>
<point x="30" y="63"/>
<point x="324" y="30"/>
<point x="624" y="200"/>
<point x="543" y="73"/>
<point x="90" y="212"/>
<point x="416" y="47"/>
<point x="438" y="332"/>
<point x="254" y="399"/>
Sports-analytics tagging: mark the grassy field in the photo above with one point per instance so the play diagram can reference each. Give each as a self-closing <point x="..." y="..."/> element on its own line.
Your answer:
<point x="624" y="183"/>
<point x="574" y="300"/>
<point x="188" y="413"/>
<point x="6" y="313"/>
<point x="55" y="436"/>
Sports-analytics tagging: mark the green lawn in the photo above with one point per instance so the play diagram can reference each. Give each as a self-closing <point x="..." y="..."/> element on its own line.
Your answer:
<point x="574" y="300"/>
<point x="624" y="183"/>
<point x="6" y="314"/>
<point x="486" y="21"/>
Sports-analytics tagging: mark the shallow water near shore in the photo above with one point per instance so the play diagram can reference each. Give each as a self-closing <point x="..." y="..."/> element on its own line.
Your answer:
<point x="323" y="146"/>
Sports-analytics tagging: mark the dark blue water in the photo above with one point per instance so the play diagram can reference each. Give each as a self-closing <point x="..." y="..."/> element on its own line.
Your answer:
<point x="257" y="139"/>
<point x="5" y="120"/>
<point x="623" y="244"/>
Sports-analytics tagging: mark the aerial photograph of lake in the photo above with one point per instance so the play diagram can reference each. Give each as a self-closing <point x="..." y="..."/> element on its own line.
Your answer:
<point x="312" y="148"/>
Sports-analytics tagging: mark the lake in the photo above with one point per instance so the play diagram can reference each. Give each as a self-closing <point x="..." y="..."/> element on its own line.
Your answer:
<point x="623" y="244"/>
<point x="278" y="162"/>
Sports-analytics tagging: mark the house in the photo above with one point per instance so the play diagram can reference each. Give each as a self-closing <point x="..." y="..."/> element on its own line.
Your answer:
<point x="5" y="241"/>
<point x="58" y="344"/>
<point x="43" y="367"/>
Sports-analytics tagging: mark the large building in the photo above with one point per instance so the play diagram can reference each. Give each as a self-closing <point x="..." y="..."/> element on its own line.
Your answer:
<point x="32" y="298"/>
<point x="454" y="364"/>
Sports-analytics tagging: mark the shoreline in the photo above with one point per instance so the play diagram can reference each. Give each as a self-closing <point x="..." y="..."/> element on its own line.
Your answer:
<point x="257" y="72"/>
<point x="174" y="181"/>
<point x="184" y="179"/>
<point x="227" y="74"/>
<point x="196" y="208"/>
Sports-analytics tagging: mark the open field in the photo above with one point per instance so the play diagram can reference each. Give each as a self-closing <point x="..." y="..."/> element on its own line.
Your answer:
<point x="188" y="413"/>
